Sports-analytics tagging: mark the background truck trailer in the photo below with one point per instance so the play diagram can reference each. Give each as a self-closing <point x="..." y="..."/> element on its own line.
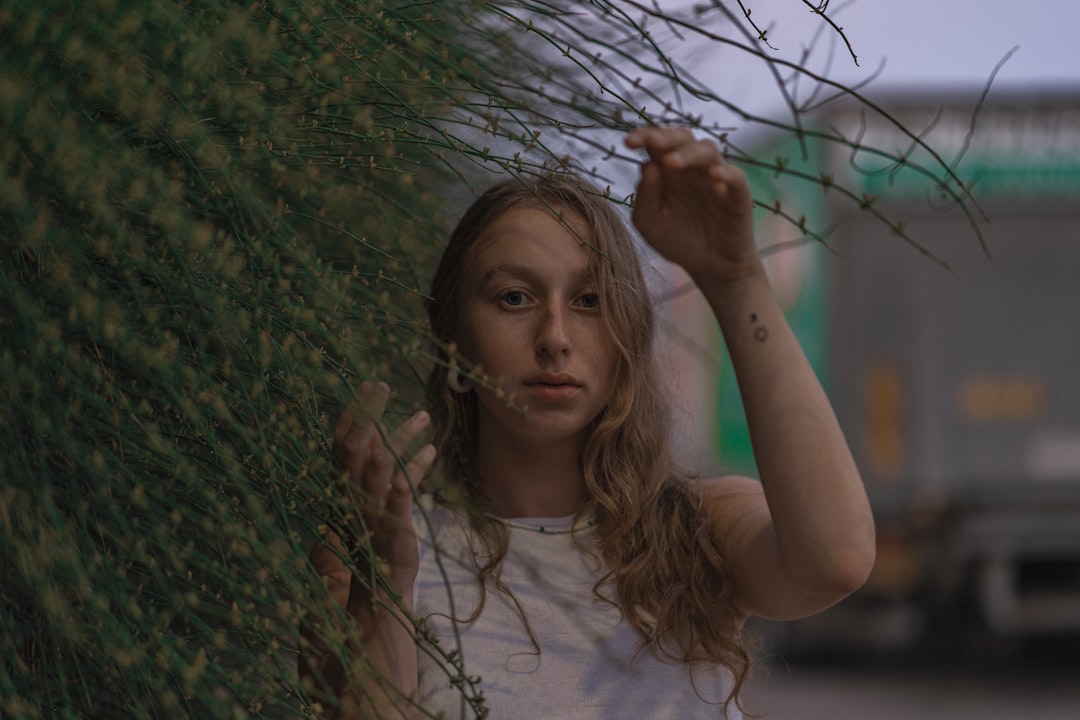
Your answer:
<point x="958" y="389"/>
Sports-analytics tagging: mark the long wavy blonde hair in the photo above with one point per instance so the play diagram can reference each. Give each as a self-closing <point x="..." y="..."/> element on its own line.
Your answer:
<point x="668" y="575"/>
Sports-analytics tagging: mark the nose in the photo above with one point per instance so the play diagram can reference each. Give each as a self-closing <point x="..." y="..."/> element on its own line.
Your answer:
<point x="552" y="338"/>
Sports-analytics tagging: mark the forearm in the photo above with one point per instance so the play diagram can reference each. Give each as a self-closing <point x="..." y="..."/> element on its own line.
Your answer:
<point x="374" y="640"/>
<point x="382" y="679"/>
<point x="821" y="522"/>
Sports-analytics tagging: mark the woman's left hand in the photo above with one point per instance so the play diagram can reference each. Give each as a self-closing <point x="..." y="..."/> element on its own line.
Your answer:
<point x="804" y="537"/>
<point x="692" y="207"/>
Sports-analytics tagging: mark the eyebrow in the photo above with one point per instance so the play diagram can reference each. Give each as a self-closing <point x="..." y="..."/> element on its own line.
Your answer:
<point x="526" y="272"/>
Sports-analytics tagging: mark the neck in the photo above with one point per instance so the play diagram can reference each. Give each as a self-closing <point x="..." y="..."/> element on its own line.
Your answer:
<point x="530" y="479"/>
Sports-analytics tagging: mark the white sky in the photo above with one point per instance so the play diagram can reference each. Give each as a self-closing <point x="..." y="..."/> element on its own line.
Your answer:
<point x="941" y="44"/>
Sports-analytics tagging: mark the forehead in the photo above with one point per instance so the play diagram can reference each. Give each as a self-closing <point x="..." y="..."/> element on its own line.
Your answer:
<point x="534" y="236"/>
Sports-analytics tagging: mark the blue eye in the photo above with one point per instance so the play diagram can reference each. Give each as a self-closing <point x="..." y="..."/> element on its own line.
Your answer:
<point x="589" y="301"/>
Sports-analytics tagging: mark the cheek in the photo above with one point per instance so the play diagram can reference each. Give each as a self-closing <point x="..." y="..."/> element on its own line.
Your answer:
<point x="615" y="365"/>
<point x="466" y="335"/>
<point x="606" y="348"/>
<point x="482" y="342"/>
<point x="466" y="344"/>
<point x="615" y="374"/>
<point x="604" y="357"/>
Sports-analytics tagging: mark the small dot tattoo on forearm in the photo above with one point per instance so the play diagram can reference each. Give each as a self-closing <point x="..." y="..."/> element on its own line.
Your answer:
<point x="761" y="333"/>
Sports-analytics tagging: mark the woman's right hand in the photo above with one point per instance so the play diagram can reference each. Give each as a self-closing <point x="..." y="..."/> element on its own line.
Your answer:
<point x="376" y="483"/>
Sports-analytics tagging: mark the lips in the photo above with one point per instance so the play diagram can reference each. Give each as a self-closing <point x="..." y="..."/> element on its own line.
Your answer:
<point x="552" y="380"/>
<point x="557" y="388"/>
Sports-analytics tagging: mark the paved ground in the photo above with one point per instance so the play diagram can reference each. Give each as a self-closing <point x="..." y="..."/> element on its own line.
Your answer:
<point x="1040" y="683"/>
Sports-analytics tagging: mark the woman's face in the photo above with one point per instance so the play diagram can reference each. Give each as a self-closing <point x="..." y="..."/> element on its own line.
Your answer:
<point x="530" y="316"/>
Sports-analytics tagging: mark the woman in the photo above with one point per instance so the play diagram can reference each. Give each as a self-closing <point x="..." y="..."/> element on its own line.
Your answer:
<point x="570" y="567"/>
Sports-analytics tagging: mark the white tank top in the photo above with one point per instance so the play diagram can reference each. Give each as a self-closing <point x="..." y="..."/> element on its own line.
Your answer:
<point x="588" y="665"/>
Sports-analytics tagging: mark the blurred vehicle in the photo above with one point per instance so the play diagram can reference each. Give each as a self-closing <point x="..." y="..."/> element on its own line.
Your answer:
<point x="958" y="387"/>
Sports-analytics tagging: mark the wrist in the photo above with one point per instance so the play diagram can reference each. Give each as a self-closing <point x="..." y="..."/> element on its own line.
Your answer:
<point x="745" y="307"/>
<point x="730" y="281"/>
<point x="373" y="591"/>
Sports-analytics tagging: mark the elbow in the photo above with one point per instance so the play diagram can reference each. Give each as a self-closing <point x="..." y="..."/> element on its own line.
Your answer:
<point x="823" y="583"/>
<point x="848" y="567"/>
<point x="851" y="571"/>
<point x="831" y="582"/>
<point x="851" y="553"/>
<point x="838" y="569"/>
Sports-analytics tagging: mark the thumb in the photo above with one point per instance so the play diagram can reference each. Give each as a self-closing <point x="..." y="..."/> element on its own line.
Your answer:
<point x="399" y="500"/>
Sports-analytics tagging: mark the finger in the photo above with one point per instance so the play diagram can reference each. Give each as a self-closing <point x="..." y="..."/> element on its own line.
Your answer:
<point x="370" y="402"/>
<point x="351" y="448"/>
<point x="367" y="406"/>
<point x="399" y="499"/>
<point x="699" y="153"/>
<point x="377" y="462"/>
<point x="356" y="425"/>
<point x="375" y="482"/>
<point x="407" y="433"/>
<point x="331" y="568"/>
<point x="728" y="174"/>
<point x="733" y="184"/>
<point x="658" y="141"/>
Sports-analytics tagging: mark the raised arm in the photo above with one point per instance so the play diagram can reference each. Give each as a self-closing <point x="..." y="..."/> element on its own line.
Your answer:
<point x="803" y="537"/>
<point x="382" y="679"/>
